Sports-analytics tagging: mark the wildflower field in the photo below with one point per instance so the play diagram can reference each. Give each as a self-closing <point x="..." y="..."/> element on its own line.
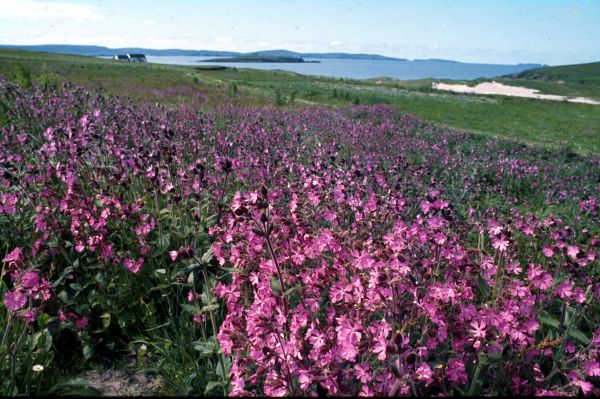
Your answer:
<point x="241" y="250"/>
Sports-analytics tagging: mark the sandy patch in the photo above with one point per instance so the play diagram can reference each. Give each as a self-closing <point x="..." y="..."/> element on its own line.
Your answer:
<point x="499" y="88"/>
<point x="121" y="383"/>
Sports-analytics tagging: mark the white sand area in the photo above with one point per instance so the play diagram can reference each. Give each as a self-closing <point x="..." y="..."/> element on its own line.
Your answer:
<point x="499" y="88"/>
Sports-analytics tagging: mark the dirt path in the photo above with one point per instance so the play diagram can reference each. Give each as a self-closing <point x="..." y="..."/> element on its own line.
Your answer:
<point x="505" y="90"/>
<point x="121" y="383"/>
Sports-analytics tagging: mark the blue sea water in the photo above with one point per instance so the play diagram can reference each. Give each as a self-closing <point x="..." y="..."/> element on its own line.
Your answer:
<point x="365" y="69"/>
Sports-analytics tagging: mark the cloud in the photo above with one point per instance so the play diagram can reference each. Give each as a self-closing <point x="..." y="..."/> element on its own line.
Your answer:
<point x="36" y="10"/>
<point x="223" y="40"/>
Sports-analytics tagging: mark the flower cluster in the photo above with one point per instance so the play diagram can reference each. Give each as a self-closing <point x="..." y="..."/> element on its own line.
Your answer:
<point x="29" y="291"/>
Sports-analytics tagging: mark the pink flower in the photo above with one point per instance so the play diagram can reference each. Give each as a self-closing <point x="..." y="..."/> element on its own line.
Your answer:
<point x="305" y="379"/>
<point x="494" y="228"/>
<point x="585" y="386"/>
<point x="30" y="279"/>
<point x="133" y="267"/>
<point x="572" y="251"/>
<point x="592" y="368"/>
<point x="363" y="261"/>
<point x="363" y="372"/>
<point x="514" y="267"/>
<point x="538" y="277"/>
<point x="501" y="244"/>
<point x="15" y="255"/>
<point x="456" y="372"/>
<point x="564" y="290"/>
<point x="79" y="247"/>
<point x="548" y="251"/>
<point x="298" y="258"/>
<point x="28" y="316"/>
<point x="423" y="373"/>
<point x="14" y="300"/>
<point x="439" y="238"/>
<point x="81" y="323"/>
<point x="478" y="330"/>
<point x="173" y="255"/>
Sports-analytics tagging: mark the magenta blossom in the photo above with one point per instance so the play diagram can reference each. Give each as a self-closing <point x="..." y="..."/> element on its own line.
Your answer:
<point x="132" y="266"/>
<point x="15" y="300"/>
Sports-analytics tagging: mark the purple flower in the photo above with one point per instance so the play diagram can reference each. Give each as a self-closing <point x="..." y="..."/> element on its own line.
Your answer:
<point x="14" y="300"/>
<point x="456" y="372"/>
<point x="132" y="266"/>
<point x="592" y="368"/>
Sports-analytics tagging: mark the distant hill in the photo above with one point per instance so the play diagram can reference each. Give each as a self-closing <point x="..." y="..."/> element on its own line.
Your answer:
<point x="98" y="51"/>
<point x="262" y="58"/>
<point x="577" y="73"/>
<point x="326" y="55"/>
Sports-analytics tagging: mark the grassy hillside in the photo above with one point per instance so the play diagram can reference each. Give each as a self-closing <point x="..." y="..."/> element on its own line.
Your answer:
<point x="547" y="123"/>
<point x="568" y="80"/>
<point x="579" y="73"/>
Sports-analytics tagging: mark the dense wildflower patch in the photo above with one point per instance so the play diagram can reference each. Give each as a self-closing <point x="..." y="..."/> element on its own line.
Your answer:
<point x="358" y="251"/>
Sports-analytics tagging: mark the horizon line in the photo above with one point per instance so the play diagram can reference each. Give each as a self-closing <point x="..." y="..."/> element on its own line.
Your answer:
<point x="283" y="49"/>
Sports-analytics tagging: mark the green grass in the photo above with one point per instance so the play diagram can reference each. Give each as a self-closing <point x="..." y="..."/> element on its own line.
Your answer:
<point x="547" y="123"/>
<point x="578" y="73"/>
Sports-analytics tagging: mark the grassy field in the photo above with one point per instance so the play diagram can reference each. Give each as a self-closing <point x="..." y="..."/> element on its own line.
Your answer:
<point x="548" y="123"/>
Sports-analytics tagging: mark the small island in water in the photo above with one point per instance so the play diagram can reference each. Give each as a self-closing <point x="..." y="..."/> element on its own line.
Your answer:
<point x="262" y="58"/>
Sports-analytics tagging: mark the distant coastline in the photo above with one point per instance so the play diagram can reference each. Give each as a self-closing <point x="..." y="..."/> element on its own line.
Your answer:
<point x="101" y="51"/>
<point x="263" y="58"/>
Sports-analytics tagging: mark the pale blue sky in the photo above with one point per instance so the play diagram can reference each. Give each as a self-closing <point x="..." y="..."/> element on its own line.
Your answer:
<point x="546" y="31"/>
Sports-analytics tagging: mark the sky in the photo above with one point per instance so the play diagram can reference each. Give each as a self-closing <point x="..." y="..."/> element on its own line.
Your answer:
<point x="551" y="32"/>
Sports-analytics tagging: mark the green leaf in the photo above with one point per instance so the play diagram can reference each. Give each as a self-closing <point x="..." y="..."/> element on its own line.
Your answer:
<point x="205" y="348"/>
<point x="579" y="336"/>
<point x="275" y="285"/>
<point x="106" y="316"/>
<point x="547" y="319"/>
<point x="76" y="386"/>
<point x="222" y="370"/>
<point x="484" y="288"/>
<point x="43" y="319"/>
<point x="495" y="356"/>
<point x="75" y="286"/>
<point x="35" y="338"/>
<point x="63" y="296"/>
<point x="164" y="241"/>
<point x="210" y="386"/>
<point x="207" y="256"/>
<point x="189" y="308"/>
<point x="483" y="358"/>
<point x="64" y="274"/>
<point x="291" y="291"/>
<point x="88" y="352"/>
<point x="210" y="308"/>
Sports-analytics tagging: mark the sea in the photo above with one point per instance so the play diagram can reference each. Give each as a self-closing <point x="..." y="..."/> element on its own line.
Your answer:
<point x="365" y="69"/>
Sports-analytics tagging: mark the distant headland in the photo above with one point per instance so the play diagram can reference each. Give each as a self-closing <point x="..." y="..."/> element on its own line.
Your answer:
<point x="262" y="58"/>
